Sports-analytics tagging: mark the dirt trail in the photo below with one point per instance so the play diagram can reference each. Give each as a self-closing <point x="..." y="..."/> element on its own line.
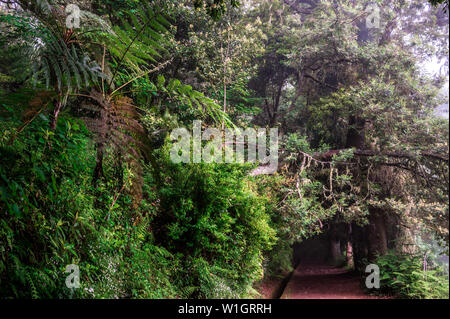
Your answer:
<point x="324" y="282"/>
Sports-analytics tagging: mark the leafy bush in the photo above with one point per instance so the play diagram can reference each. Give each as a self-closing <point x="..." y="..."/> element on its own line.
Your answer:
<point x="279" y="260"/>
<point x="403" y="276"/>
<point x="212" y="215"/>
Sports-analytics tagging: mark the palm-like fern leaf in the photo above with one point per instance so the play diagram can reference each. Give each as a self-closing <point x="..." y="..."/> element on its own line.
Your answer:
<point x="57" y="52"/>
<point x="140" y="38"/>
<point x="65" y="68"/>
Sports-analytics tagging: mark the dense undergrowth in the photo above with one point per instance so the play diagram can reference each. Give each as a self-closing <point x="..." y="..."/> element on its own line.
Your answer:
<point x="210" y="224"/>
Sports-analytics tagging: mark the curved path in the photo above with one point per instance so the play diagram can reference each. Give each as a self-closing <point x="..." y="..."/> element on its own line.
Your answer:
<point x="324" y="282"/>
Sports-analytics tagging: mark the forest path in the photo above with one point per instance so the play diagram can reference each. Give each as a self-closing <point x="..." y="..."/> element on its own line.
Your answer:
<point x="324" y="282"/>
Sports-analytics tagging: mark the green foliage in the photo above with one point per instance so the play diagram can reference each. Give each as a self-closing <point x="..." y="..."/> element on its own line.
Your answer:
<point x="279" y="260"/>
<point x="57" y="59"/>
<point x="213" y="215"/>
<point x="217" y="8"/>
<point x="140" y="38"/>
<point x="51" y="216"/>
<point x="404" y="276"/>
<point x="151" y="273"/>
<point x="68" y="69"/>
<point x="46" y="210"/>
<point x="437" y="2"/>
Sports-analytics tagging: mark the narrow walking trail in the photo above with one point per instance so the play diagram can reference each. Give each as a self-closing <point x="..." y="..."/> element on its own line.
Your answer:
<point x="324" y="282"/>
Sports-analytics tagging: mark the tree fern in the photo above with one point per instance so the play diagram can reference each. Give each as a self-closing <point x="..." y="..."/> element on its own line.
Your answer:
<point x="115" y="123"/>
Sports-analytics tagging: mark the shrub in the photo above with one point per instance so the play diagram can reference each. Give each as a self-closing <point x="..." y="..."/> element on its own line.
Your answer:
<point x="403" y="276"/>
<point x="212" y="215"/>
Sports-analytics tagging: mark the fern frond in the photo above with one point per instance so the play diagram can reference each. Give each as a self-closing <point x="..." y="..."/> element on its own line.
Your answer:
<point x="140" y="39"/>
<point x="62" y="67"/>
<point x="34" y="293"/>
<point x="187" y="292"/>
<point x="116" y="124"/>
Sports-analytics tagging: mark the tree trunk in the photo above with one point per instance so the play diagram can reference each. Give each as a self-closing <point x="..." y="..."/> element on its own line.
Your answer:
<point x="98" y="170"/>
<point x="377" y="234"/>
<point x="360" y="245"/>
<point x="335" y="250"/>
<point x="335" y="246"/>
<point x="276" y="105"/>
<point x="349" y="253"/>
<point x="55" y="114"/>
